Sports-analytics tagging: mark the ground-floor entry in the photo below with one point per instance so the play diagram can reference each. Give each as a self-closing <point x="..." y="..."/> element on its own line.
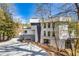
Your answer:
<point x="68" y="44"/>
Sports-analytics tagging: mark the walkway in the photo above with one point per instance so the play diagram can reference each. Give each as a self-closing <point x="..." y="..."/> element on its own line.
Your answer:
<point x="15" y="48"/>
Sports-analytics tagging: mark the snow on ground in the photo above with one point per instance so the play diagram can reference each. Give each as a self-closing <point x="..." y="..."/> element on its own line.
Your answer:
<point x="15" y="48"/>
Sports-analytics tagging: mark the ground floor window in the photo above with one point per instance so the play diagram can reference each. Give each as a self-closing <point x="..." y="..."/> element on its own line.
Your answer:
<point x="46" y="41"/>
<point x="68" y="44"/>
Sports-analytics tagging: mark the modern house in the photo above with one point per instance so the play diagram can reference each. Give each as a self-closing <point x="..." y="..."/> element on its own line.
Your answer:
<point x="28" y="34"/>
<point x="36" y="23"/>
<point x="33" y="31"/>
<point x="50" y="31"/>
<point x="55" y="30"/>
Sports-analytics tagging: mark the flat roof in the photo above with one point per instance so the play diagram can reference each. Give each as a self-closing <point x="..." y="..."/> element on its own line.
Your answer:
<point x="34" y="20"/>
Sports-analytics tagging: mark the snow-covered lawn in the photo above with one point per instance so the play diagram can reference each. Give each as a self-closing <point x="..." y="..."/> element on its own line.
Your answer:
<point x="15" y="48"/>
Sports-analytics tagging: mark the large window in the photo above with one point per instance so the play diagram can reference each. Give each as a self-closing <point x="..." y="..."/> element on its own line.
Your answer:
<point x="48" y="33"/>
<point x="44" y="25"/>
<point x="48" y="25"/>
<point x="44" y="33"/>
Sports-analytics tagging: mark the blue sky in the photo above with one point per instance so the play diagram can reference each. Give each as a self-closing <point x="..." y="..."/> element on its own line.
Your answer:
<point x="25" y="10"/>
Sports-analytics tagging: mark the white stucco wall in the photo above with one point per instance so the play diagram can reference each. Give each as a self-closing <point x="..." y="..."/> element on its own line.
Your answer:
<point x="63" y="32"/>
<point x="61" y="35"/>
<point x="36" y="34"/>
<point x="31" y="31"/>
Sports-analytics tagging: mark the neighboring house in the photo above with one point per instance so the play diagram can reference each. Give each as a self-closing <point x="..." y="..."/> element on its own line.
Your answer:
<point x="37" y="28"/>
<point x="28" y="33"/>
<point x="32" y="32"/>
<point x="61" y="31"/>
<point x="35" y="24"/>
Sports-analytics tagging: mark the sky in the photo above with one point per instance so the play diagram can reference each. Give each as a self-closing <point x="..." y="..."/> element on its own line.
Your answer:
<point x="24" y="11"/>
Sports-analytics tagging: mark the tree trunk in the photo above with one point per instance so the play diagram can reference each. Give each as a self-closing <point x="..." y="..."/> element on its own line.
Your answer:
<point x="77" y="8"/>
<point x="76" y="47"/>
<point x="8" y="37"/>
<point x="72" y="48"/>
<point x="71" y="44"/>
<point x="3" y="36"/>
<point x="55" y="37"/>
<point x="0" y="37"/>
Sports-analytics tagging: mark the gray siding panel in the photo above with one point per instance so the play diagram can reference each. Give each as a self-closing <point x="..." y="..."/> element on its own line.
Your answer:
<point x="32" y="37"/>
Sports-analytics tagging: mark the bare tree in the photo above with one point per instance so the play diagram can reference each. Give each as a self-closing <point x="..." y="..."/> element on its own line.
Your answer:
<point x="44" y="11"/>
<point x="77" y="9"/>
<point x="71" y="10"/>
<point x="54" y="24"/>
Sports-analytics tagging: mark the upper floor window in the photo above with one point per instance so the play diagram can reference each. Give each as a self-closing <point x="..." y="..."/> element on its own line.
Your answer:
<point x="48" y="33"/>
<point x="44" y="25"/>
<point x="48" y="25"/>
<point x="44" y="33"/>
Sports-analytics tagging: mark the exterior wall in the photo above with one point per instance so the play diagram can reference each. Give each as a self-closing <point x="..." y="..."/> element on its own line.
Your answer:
<point x="60" y="42"/>
<point x="37" y="28"/>
<point x="63" y="32"/>
<point x="35" y="24"/>
<point x="50" y="38"/>
<point x="46" y="29"/>
<point x="36" y="34"/>
<point x="31" y="37"/>
<point x="31" y="33"/>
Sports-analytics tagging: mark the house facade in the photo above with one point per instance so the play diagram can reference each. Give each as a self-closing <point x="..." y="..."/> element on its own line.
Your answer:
<point x="50" y="31"/>
<point x="55" y="30"/>
<point x="28" y="34"/>
<point x="32" y="32"/>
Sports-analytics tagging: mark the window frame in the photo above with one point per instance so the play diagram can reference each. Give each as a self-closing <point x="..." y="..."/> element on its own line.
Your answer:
<point x="44" y="33"/>
<point x="49" y="33"/>
<point x="44" y="25"/>
<point x="49" y="25"/>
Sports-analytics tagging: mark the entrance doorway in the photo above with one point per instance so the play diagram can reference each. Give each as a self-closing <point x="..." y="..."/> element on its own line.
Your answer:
<point x="68" y="44"/>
